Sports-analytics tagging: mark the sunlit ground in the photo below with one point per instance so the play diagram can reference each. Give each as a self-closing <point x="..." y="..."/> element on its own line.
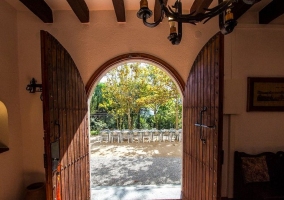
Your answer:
<point x="153" y="166"/>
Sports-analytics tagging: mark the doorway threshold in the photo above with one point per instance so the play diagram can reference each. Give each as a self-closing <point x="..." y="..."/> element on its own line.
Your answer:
<point x="138" y="192"/>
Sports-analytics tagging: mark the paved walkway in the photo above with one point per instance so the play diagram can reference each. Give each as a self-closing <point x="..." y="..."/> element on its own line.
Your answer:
<point x="141" y="192"/>
<point x="117" y="171"/>
<point x="129" y="172"/>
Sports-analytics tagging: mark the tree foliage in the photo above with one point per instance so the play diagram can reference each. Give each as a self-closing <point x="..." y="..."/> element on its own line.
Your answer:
<point x="139" y="95"/>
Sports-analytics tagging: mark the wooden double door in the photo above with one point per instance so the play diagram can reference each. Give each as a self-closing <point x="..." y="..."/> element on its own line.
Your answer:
<point x="66" y="135"/>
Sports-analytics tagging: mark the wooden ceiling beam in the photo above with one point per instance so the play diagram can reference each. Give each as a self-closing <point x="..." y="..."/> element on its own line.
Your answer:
<point x="81" y="10"/>
<point x="270" y="12"/>
<point x="199" y="5"/>
<point x="119" y="10"/>
<point x="240" y="8"/>
<point x="40" y="9"/>
<point x="157" y="9"/>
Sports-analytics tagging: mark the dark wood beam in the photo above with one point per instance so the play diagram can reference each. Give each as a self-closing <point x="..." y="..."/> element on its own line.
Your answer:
<point x="119" y="10"/>
<point x="157" y="10"/>
<point x="199" y="5"/>
<point x="270" y="12"/>
<point x="240" y="8"/>
<point x="40" y="9"/>
<point x="3" y="149"/>
<point x="81" y="10"/>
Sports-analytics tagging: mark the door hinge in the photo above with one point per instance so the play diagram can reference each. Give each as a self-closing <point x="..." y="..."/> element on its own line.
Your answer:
<point x="44" y="160"/>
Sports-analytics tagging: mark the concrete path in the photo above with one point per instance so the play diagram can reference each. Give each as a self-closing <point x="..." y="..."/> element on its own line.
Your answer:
<point x="140" y="192"/>
<point x="136" y="171"/>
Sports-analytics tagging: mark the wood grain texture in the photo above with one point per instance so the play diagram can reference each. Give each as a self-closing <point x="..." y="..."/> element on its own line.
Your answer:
<point x="81" y="10"/>
<point x="201" y="162"/>
<point x="271" y="11"/>
<point x="65" y="121"/>
<point x="119" y="10"/>
<point x="40" y="9"/>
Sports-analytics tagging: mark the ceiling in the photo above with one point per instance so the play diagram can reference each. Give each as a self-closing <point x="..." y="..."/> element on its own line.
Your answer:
<point x="269" y="11"/>
<point x="95" y="4"/>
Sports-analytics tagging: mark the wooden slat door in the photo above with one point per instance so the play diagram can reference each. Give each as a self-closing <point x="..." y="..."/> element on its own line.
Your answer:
<point x="203" y="106"/>
<point x="65" y="124"/>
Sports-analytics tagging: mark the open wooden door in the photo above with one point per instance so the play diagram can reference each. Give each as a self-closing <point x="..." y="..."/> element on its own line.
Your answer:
<point x="202" y="124"/>
<point x="65" y="124"/>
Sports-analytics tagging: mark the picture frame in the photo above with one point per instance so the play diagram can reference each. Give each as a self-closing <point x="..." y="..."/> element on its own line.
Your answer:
<point x="265" y="94"/>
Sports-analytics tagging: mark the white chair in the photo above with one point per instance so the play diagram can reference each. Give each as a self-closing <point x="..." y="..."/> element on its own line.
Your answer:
<point x="146" y="134"/>
<point x="115" y="135"/>
<point x="156" y="135"/>
<point x="125" y="135"/>
<point x="166" y="135"/>
<point x="178" y="134"/>
<point x="104" y="135"/>
<point x="173" y="136"/>
<point x="136" y="135"/>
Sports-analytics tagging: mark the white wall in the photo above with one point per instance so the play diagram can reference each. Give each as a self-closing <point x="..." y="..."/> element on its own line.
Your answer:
<point x="11" y="165"/>
<point x="254" y="51"/>
<point x="249" y="52"/>
<point x="91" y="45"/>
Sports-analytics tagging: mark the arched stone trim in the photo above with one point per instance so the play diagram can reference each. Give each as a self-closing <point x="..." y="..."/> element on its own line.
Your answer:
<point x="134" y="56"/>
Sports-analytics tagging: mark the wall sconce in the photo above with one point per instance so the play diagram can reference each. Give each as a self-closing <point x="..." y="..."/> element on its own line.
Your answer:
<point x="33" y="87"/>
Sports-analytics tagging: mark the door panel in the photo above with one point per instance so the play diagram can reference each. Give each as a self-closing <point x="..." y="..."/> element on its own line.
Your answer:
<point x="65" y="124"/>
<point x="202" y="124"/>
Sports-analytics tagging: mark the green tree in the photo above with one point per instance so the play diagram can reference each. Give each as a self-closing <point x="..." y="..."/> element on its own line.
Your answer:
<point x="159" y="92"/>
<point x="123" y="87"/>
<point x="131" y="92"/>
<point x="97" y="98"/>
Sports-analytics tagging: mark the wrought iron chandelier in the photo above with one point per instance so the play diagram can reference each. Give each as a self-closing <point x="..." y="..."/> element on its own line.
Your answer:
<point x="175" y="15"/>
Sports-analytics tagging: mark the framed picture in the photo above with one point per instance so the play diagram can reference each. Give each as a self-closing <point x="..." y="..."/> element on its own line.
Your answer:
<point x="265" y="94"/>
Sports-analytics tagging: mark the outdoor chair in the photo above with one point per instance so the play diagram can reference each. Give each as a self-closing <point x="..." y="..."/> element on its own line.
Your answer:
<point x="115" y="135"/>
<point x="174" y="134"/>
<point x="177" y="134"/>
<point x="136" y="135"/>
<point x="125" y="135"/>
<point x="146" y="134"/>
<point x="104" y="135"/>
<point x="166" y="135"/>
<point x="180" y="135"/>
<point x="156" y="135"/>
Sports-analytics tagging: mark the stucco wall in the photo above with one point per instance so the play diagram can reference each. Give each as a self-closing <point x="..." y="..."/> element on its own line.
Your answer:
<point x="253" y="51"/>
<point x="248" y="53"/>
<point x="91" y="45"/>
<point x="11" y="165"/>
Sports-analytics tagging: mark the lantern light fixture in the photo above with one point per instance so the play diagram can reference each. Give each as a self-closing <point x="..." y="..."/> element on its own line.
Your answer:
<point x="174" y="15"/>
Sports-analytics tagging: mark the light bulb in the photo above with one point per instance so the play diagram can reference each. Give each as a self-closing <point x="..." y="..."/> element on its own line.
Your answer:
<point x="172" y="25"/>
<point x="229" y="15"/>
<point x="143" y="4"/>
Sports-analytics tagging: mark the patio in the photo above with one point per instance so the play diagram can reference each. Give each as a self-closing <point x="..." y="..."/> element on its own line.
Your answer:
<point x="135" y="170"/>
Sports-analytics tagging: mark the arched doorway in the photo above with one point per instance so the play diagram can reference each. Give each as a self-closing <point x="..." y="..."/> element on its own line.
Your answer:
<point x="160" y="172"/>
<point x="131" y="57"/>
<point x="66" y="122"/>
